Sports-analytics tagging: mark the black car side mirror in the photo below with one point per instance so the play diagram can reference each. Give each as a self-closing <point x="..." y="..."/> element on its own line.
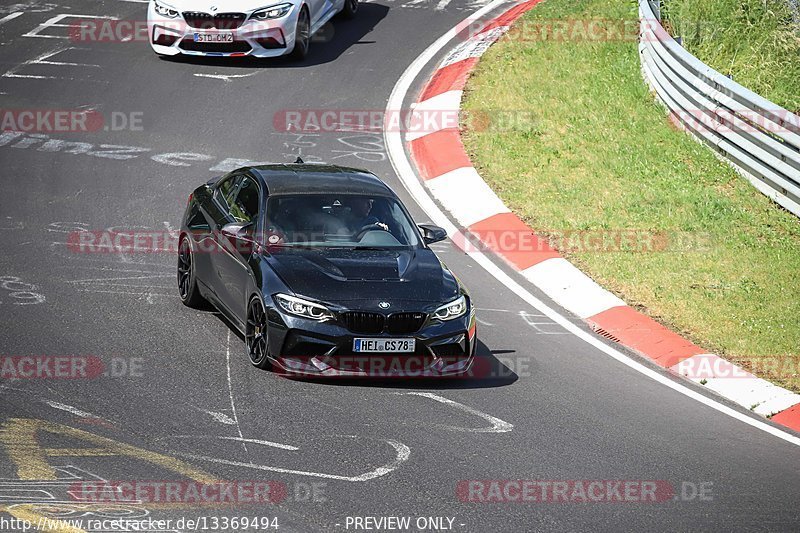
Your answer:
<point x="235" y="230"/>
<point x="432" y="234"/>
<point x="232" y="230"/>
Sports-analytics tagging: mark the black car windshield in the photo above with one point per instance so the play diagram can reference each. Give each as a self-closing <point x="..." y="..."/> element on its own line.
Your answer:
<point x="339" y="220"/>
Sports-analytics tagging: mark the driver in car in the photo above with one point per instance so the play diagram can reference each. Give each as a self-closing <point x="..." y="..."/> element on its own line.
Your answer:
<point x="360" y="218"/>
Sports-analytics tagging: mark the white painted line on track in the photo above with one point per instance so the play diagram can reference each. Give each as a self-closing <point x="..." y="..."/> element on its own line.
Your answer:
<point x="498" y="426"/>
<point x="230" y="389"/>
<point x="70" y="409"/>
<point x="222" y="418"/>
<point x="402" y="451"/>
<point x="224" y="77"/>
<point x="541" y="326"/>
<point x="12" y="16"/>
<point x="54" y="22"/>
<point x="263" y="443"/>
<point x="44" y="59"/>
<point x="408" y="177"/>
<point x="239" y="439"/>
<point x="103" y="280"/>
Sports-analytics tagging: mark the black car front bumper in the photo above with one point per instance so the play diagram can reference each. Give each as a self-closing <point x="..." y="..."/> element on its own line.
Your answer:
<point x="301" y="346"/>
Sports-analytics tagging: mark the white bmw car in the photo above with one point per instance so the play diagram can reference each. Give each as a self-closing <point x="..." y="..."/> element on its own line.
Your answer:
<point x="237" y="28"/>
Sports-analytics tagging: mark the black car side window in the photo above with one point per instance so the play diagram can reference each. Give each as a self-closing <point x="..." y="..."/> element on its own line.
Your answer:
<point x="245" y="208"/>
<point x="224" y="194"/>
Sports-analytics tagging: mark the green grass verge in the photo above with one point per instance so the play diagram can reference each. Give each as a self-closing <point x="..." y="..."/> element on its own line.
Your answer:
<point x="757" y="42"/>
<point x="601" y="155"/>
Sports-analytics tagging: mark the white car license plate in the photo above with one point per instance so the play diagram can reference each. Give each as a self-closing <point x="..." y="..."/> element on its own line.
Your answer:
<point x="224" y="37"/>
<point x="384" y="345"/>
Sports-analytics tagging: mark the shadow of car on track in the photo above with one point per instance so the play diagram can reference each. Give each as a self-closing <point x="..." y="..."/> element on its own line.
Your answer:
<point x="487" y="371"/>
<point x="330" y="42"/>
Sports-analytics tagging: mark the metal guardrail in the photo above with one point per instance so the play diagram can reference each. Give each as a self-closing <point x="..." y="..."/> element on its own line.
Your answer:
<point x="760" y="138"/>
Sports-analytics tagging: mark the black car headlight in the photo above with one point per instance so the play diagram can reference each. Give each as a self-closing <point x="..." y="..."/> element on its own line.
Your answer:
<point x="303" y="308"/>
<point x="165" y="11"/>
<point x="454" y="309"/>
<point x="272" y="12"/>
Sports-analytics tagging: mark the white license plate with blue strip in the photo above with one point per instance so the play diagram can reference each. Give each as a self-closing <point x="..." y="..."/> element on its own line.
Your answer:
<point x="222" y="37"/>
<point x="384" y="345"/>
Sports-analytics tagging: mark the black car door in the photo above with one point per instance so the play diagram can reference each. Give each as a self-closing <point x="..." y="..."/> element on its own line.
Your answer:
<point x="235" y="249"/>
<point x="216" y="212"/>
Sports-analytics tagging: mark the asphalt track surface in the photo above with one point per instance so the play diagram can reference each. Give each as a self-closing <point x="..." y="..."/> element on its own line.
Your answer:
<point x="553" y="408"/>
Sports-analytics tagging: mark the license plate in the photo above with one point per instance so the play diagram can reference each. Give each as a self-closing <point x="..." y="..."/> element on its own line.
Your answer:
<point x="384" y="345"/>
<point x="213" y="37"/>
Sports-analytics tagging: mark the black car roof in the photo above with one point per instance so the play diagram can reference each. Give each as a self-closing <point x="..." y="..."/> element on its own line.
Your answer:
<point x="320" y="179"/>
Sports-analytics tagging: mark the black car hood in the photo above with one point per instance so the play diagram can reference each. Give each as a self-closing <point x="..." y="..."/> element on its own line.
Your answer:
<point x="333" y="275"/>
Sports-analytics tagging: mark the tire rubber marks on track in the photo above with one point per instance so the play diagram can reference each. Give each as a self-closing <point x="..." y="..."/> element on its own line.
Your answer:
<point x="497" y="425"/>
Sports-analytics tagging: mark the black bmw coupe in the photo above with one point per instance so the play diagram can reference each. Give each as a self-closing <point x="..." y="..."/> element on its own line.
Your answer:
<point x="324" y="272"/>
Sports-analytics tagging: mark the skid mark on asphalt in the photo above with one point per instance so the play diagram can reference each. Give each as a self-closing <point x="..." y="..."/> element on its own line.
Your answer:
<point x="497" y="425"/>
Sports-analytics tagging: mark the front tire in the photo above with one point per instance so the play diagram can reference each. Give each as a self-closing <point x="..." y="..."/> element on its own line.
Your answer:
<point x="256" y="335"/>
<point x="302" y="36"/>
<point x="350" y="9"/>
<point x="187" y="277"/>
